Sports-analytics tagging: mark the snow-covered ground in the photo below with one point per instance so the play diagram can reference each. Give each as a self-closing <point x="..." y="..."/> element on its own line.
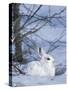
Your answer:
<point x="24" y="80"/>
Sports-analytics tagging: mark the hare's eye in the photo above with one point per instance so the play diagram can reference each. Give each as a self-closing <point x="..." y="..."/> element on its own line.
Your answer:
<point x="48" y="58"/>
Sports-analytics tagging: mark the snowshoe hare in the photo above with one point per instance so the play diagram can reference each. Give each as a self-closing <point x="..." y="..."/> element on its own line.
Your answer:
<point x="44" y="67"/>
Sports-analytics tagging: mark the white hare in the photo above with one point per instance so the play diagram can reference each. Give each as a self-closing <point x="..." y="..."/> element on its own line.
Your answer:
<point x="43" y="67"/>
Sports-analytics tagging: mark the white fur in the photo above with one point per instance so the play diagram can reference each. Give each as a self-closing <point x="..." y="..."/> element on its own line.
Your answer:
<point x="43" y="67"/>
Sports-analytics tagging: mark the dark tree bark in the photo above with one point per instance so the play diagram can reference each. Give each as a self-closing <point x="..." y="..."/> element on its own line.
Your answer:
<point x="18" y="47"/>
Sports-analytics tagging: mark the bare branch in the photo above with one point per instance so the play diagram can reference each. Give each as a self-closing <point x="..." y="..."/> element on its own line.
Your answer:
<point x="31" y="17"/>
<point x="20" y="71"/>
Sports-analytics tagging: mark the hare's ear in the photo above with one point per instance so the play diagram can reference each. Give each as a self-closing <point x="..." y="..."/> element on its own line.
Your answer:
<point x="43" y="51"/>
<point x="39" y="50"/>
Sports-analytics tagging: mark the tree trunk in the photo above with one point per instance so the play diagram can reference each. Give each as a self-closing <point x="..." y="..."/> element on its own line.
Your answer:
<point x="18" y="48"/>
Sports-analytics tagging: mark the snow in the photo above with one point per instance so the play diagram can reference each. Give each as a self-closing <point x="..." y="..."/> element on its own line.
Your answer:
<point x="26" y="80"/>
